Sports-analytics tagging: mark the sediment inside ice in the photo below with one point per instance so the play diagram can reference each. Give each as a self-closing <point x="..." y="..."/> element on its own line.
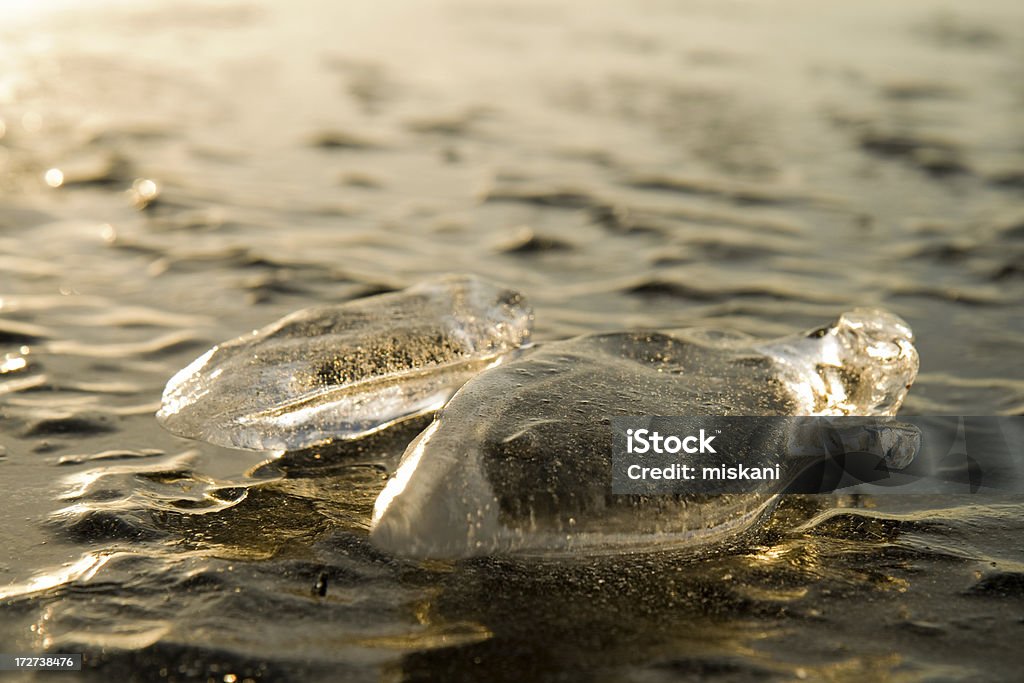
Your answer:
<point x="520" y="458"/>
<point x="343" y="371"/>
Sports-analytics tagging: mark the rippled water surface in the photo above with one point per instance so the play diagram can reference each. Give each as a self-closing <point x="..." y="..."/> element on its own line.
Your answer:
<point x="176" y="174"/>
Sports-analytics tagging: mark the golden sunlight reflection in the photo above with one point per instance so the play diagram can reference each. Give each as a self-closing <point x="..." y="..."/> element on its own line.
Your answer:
<point x="434" y="637"/>
<point x="12" y="363"/>
<point x="13" y="10"/>
<point x="54" y="177"/>
<point x="769" y="555"/>
<point x="82" y="569"/>
<point x="400" y="480"/>
<point x="144" y="192"/>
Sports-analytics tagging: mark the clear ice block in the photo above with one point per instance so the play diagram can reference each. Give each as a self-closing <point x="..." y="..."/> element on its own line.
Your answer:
<point x="344" y="371"/>
<point x="519" y="459"/>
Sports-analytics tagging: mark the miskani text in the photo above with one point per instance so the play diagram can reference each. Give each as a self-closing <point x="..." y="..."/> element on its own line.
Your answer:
<point x="641" y="441"/>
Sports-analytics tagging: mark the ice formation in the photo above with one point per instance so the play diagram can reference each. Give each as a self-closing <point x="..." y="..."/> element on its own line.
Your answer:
<point x="519" y="459"/>
<point x="344" y="371"/>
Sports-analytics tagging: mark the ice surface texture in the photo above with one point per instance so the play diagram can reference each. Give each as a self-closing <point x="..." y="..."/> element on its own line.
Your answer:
<point x="344" y="371"/>
<point x="519" y="459"/>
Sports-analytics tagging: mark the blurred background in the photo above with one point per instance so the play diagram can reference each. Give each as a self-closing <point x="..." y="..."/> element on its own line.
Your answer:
<point x="173" y="174"/>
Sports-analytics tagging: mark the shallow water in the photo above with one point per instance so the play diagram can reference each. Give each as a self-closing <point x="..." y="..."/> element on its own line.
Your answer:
<point x="658" y="165"/>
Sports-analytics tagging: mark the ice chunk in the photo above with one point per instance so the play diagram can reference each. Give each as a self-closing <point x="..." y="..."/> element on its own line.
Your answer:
<point x="862" y="364"/>
<point x="344" y="371"/>
<point x="520" y="458"/>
